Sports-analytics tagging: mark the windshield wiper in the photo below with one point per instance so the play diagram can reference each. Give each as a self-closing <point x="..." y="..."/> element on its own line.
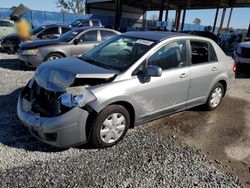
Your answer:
<point x="97" y="63"/>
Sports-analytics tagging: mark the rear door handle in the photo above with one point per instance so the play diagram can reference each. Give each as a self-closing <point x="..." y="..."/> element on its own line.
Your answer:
<point x="183" y="75"/>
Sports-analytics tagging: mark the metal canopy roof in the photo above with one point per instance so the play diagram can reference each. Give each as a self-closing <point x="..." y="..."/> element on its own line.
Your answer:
<point x="188" y="4"/>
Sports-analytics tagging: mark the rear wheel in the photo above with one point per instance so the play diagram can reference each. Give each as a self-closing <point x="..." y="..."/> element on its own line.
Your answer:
<point x="215" y="96"/>
<point x="110" y="126"/>
<point x="53" y="56"/>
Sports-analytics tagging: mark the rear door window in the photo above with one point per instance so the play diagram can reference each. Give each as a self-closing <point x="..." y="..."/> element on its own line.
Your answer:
<point x="202" y="52"/>
<point x="95" y="23"/>
<point x="107" y="34"/>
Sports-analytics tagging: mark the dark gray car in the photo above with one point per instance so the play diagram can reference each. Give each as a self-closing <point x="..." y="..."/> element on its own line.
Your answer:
<point x="74" y="42"/>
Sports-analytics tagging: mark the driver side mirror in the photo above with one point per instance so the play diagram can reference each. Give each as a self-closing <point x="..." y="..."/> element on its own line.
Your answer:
<point x="153" y="71"/>
<point x="76" y="41"/>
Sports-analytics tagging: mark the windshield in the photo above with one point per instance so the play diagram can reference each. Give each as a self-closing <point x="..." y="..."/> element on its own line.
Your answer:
<point x="68" y="36"/>
<point x="119" y="52"/>
<point x="37" y="30"/>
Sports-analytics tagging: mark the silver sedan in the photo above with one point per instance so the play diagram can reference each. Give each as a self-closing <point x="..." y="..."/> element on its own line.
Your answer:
<point x="74" y="42"/>
<point x="125" y="81"/>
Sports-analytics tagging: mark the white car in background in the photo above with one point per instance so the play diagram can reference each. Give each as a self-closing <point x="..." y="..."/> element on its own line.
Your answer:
<point x="242" y="53"/>
<point x="6" y="27"/>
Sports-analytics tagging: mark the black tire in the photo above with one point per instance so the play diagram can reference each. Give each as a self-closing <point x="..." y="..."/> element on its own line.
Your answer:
<point x="95" y="138"/>
<point x="208" y="104"/>
<point x="56" y="55"/>
<point x="13" y="47"/>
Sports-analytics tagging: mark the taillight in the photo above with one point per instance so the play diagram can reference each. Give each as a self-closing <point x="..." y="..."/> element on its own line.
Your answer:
<point x="234" y="66"/>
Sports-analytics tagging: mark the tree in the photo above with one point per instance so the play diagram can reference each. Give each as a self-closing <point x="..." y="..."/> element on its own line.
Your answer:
<point x="75" y="6"/>
<point x="197" y="21"/>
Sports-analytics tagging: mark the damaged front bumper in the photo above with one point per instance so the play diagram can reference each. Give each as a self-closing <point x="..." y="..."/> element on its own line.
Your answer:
<point x="65" y="130"/>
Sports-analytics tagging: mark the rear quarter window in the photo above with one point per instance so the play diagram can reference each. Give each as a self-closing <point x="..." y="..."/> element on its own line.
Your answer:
<point x="107" y="34"/>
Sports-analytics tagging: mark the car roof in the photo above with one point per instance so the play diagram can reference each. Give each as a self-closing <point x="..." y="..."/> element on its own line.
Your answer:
<point x="89" y="27"/>
<point x="245" y="44"/>
<point x="6" y="20"/>
<point x="83" y="19"/>
<point x="154" y="35"/>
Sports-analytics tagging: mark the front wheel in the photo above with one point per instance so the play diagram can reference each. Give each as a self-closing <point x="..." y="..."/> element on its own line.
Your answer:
<point x="53" y="56"/>
<point x="110" y="126"/>
<point x="215" y="96"/>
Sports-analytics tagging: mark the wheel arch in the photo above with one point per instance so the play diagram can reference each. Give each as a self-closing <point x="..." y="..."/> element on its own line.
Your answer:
<point x="54" y="52"/>
<point x="93" y="115"/>
<point x="224" y="83"/>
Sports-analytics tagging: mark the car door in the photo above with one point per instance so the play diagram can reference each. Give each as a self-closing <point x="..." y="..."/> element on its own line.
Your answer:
<point x="167" y="93"/>
<point x="86" y="41"/>
<point x="203" y="69"/>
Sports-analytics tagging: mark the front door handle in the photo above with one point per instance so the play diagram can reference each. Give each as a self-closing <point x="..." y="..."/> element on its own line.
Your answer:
<point x="214" y="69"/>
<point x="183" y="75"/>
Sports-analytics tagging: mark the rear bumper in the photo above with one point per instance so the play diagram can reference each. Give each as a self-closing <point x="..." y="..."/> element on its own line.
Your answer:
<point x="62" y="131"/>
<point x="241" y="60"/>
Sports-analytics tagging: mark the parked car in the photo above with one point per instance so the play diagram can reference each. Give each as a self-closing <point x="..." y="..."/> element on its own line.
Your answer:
<point x="242" y="53"/>
<point x="97" y="97"/>
<point x="207" y="34"/>
<point x="11" y="42"/>
<point x="86" y="23"/>
<point x="6" y="27"/>
<point x="74" y="42"/>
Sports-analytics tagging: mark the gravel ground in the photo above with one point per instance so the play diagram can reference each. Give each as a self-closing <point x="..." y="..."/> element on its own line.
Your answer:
<point x="142" y="159"/>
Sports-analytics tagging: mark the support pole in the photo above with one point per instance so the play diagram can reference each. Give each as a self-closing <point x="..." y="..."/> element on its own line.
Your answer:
<point x="87" y="8"/>
<point x="222" y="19"/>
<point x="166" y="14"/>
<point x="177" y="19"/>
<point x="183" y="19"/>
<point x="215" y="19"/>
<point x="118" y="8"/>
<point x="161" y="12"/>
<point x="229" y="19"/>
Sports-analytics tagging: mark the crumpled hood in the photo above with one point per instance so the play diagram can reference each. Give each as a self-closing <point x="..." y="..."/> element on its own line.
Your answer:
<point x="59" y="74"/>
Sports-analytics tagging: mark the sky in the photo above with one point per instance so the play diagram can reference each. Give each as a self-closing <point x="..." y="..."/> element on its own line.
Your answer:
<point x="240" y="17"/>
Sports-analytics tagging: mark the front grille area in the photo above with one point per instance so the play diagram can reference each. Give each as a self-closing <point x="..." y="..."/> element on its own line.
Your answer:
<point x="44" y="102"/>
<point x="245" y="52"/>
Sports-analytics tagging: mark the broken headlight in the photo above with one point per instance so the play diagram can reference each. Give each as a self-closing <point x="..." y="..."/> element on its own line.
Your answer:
<point x="71" y="100"/>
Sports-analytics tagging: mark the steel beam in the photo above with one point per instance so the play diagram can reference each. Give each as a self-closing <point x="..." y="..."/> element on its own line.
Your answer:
<point x="222" y="20"/>
<point x="167" y="9"/>
<point x="229" y="18"/>
<point x="183" y="19"/>
<point x="118" y="13"/>
<point x="161" y="10"/>
<point x="177" y="19"/>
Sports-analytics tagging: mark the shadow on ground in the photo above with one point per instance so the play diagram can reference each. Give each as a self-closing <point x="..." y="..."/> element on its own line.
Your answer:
<point x="14" y="64"/>
<point x="12" y="131"/>
<point x="243" y="71"/>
